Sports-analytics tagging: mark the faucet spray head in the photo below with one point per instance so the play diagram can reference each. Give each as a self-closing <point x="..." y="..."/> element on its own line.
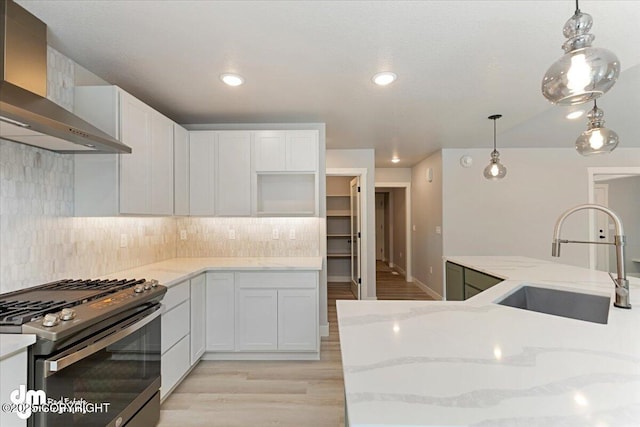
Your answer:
<point x="555" y="248"/>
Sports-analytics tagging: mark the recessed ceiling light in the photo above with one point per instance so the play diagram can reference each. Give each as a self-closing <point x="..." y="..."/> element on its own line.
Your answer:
<point x="232" y="79"/>
<point x="384" y="78"/>
<point x="395" y="160"/>
<point x="575" y="114"/>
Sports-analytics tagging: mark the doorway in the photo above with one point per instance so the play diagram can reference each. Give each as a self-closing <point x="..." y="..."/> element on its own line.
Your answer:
<point x="617" y="188"/>
<point x="393" y="228"/>
<point x="346" y="243"/>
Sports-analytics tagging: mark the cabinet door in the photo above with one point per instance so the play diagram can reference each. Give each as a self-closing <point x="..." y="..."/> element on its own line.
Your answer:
<point x="302" y="151"/>
<point x="455" y="282"/>
<point x="180" y="170"/>
<point x="135" y="168"/>
<point x="233" y="174"/>
<point x="220" y="310"/>
<point x="201" y="172"/>
<point x="256" y="319"/>
<point x="297" y="319"/>
<point x="161" y="165"/>
<point x="198" y="320"/>
<point x="269" y="151"/>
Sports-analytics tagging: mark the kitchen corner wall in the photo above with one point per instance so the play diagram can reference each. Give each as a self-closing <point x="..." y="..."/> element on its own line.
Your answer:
<point x="41" y="241"/>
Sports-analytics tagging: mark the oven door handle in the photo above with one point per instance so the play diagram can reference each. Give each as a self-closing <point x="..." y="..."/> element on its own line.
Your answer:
<point x="56" y="365"/>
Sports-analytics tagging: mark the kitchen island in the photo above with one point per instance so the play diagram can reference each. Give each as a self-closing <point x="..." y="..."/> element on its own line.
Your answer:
<point x="477" y="363"/>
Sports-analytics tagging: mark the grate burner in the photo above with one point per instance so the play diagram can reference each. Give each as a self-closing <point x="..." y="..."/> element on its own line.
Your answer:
<point x="20" y="307"/>
<point x="85" y="285"/>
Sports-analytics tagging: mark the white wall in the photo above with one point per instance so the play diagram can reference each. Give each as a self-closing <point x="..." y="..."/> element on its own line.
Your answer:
<point x="399" y="226"/>
<point x="624" y="199"/>
<point x="426" y="215"/>
<point x="349" y="159"/>
<point x="516" y="216"/>
<point x="393" y="175"/>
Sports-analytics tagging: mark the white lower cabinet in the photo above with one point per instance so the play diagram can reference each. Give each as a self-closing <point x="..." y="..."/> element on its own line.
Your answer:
<point x="256" y="319"/>
<point x="175" y="344"/>
<point x="297" y="319"/>
<point x="236" y="315"/>
<point x="255" y="312"/>
<point x="175" y="363"/>
<point x="198" y="318"/>
<point x="13" y="372"/>
<point x="220" y="312"/>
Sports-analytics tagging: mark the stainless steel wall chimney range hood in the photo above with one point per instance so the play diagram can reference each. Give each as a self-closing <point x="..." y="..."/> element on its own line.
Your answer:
<point x="26" y="115"/>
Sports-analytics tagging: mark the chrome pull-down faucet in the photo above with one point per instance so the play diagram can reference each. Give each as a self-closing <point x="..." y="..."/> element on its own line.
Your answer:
<point x="621" y="282"/>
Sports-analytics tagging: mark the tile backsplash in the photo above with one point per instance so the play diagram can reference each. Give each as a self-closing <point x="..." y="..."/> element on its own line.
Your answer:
<point x="41" y="240"/>
<point x="252" y="237"/>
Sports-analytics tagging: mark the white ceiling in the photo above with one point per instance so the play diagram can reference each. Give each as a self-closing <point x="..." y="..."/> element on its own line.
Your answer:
<point x="312" y="61"/>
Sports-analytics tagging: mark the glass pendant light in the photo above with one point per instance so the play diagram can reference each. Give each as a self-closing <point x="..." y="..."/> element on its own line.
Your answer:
<point x="597" y="139"/>
<point x="584" y="72"/>
<point x="495" y="170"/>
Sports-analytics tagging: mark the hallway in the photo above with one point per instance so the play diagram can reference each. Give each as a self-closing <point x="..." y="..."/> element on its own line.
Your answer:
<point x="391" y="286"/>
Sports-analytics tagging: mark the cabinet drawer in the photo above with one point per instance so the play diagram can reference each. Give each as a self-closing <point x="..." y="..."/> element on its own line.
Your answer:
<point x="277" y="279"/>
<point x="176" y="295"/>
<point x="175" y="325"/>
<point x="479" y="280"/>
<point x="174" y="364"/>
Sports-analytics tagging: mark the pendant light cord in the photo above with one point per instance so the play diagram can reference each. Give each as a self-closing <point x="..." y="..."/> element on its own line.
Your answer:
<point x="494" y="134"/>
<point x="577" y="7"/>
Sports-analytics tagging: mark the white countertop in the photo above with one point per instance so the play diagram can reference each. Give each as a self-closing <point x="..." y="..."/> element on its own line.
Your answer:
<point x="176" y="270"/>
<point x="10" y="343"/>
<point x="476" y="363"/>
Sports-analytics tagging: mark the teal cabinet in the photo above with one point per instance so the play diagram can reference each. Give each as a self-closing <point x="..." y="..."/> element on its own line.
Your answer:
<point x="463" y="282"/>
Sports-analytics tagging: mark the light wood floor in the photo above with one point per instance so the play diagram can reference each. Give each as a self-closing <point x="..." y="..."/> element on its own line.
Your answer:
<point x="288" y="394"/>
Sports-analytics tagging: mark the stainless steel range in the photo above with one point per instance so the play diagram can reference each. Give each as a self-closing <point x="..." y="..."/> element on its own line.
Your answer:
<point x="98" y="345"/>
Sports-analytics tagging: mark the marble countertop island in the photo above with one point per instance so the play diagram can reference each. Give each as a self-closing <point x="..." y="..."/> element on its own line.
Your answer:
<point x="477" y="363"/>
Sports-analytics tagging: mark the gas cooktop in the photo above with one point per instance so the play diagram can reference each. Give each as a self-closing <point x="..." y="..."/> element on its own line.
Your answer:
<point x="58" y="308"/>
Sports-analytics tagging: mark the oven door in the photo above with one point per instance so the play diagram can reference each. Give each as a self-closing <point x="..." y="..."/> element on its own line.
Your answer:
<point x="113" y="377"/>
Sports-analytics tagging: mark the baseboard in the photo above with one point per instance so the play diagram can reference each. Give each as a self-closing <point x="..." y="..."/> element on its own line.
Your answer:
<point x="262" y="356"/>
<point x="339" y="279"/>
<point x="433" y="294"/>
<point x="324" y="330"/>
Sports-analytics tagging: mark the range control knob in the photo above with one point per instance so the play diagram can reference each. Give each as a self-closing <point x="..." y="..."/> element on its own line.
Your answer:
<point x="154" y="283"/>
<point x="138" y="289"/>
<point x="50" y="320"/>
<point x="67" y="314"/>
<point x="147" y="286"/>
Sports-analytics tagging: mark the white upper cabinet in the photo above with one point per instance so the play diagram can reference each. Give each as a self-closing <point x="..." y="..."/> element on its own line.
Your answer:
<point x="233" y="174"/>
<point x="140" y="183"/>
<point x="201" y="172"/>
<point x="302" y="151"/>
<point x="286" y="151"/>
<point x="135" y="168"/>
<point x="180" y="170"/>
<point x="269" y="151"/>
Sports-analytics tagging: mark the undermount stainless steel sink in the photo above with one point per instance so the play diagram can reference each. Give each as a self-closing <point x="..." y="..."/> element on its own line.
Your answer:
<point x="574" y="305"/>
